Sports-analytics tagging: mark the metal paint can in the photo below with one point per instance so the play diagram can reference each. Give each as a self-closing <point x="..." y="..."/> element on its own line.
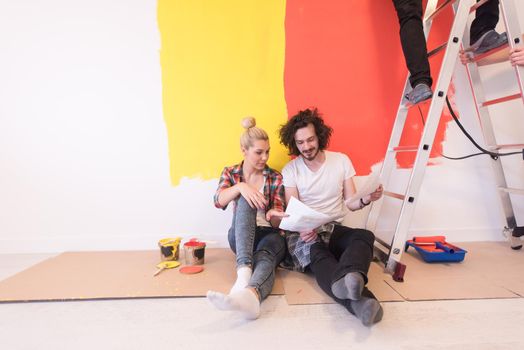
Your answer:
<point x="169" y="248"/>
<point x="194" y="251"/>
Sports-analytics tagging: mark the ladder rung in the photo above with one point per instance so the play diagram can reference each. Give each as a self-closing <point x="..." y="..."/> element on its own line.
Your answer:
<point x="437" y="49"/>
<point x="380" y="244"/>
<point x="408" y="105"/>
<point x="405" y="149"/>
<point x="485" y="55"/>
<point x="512" y="190"/>
<point x="394" y="195"/>
<point x="508" y="146"/>
<point x="501" y="99"/>
<point x="439" y="9"/>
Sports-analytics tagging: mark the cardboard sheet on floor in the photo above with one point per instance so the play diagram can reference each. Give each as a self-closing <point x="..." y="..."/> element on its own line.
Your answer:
<point x="301" y="288"/>
<point x="118" y="275"/>
<point x="490" y="270"/>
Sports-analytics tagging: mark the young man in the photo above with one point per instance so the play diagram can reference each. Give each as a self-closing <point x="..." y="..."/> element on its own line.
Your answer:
<point x="339" y="256"/>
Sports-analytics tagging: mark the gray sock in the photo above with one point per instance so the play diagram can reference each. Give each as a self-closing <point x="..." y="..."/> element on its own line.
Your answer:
<point x="349" y="287"/>
<point x="367" y="310"/>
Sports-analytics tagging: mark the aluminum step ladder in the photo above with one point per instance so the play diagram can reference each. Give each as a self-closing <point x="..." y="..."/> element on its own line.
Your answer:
<point x="390" y="253"/>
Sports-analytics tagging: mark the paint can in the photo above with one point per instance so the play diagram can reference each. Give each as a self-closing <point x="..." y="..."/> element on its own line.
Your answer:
<point x="194" y="251"/>
<point x="169" y="248"/>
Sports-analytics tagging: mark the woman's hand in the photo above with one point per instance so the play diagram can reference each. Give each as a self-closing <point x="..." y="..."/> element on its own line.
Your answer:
<point x="308" y="236"/>
<point x="254" y="198"/>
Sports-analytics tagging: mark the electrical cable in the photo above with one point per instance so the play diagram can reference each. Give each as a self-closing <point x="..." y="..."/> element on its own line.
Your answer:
<point x="493" y="155"/>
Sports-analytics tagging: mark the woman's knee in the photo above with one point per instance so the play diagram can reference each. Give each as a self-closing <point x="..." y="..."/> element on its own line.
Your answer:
<point x="242" y="206"/>
<point x="273" y="245"/>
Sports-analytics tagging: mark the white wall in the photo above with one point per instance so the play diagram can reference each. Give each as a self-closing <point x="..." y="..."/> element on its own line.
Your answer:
<point x="83" y="145"/>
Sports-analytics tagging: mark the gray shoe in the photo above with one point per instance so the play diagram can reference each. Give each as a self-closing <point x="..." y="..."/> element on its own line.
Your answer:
<point x="421" y="92"/>
<point x="488" y="41"/>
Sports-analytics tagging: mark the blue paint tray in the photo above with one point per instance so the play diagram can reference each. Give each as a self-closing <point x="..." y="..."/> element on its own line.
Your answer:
<point x="436" y="249"/>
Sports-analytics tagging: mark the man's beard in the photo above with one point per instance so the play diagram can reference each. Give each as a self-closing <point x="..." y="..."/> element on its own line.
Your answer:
<point x="311" y="154"/>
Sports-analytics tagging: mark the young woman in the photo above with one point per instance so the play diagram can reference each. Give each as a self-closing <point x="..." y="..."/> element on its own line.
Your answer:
<point x="257" y="193"/>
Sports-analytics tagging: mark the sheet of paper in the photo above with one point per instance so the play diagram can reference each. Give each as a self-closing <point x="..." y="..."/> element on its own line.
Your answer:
<point x="371" y="184"/>
<point x="301" y="217"/>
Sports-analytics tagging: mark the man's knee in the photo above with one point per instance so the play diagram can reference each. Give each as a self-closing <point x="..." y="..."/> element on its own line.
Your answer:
<point x="365" y="235"/>
<point x="318" y="252"/>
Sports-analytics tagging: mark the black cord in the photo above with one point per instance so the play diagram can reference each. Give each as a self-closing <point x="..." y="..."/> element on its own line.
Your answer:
<point x="493" y="155"/>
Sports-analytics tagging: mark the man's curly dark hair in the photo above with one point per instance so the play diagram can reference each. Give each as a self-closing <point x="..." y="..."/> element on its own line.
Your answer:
<point x="301" y="120"/>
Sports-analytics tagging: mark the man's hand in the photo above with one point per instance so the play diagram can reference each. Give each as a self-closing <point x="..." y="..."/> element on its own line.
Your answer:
<point x="377" y="194"/>
<point x="254" y="198"/>
<point x="308" y="236"/>
<point x="273" y="213"/>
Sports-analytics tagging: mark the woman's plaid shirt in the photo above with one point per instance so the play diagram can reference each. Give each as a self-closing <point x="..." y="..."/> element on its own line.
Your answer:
<point x="273" y="185"/>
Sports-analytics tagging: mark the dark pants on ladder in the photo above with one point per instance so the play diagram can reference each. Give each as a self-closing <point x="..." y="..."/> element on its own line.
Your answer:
<point x="349" y="250"/>
<point x="486" y="19"/>
<point x="409" y="13"/>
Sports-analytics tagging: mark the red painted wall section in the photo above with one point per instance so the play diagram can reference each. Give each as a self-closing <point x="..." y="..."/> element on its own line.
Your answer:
<point x="345" y="58"/>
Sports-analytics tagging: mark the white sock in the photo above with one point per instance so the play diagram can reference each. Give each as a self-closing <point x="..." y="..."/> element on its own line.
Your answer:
<point x="243" y="301"/>
<point x="243" y="276"/>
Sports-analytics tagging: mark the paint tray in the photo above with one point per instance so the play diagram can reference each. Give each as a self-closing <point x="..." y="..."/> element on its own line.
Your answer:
<point x="436" y="249"/>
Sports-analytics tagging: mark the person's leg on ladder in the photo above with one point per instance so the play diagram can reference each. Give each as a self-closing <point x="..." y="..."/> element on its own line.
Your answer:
<point x="482" y="34"/>
<point x="409" y="13"/>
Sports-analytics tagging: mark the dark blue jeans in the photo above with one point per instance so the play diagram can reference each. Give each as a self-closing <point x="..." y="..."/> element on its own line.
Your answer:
<point x="262" y="248"/>
<point x="349" y="250"/>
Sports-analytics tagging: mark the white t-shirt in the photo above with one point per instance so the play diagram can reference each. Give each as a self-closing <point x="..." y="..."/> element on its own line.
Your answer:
<point x="322" y="190"/>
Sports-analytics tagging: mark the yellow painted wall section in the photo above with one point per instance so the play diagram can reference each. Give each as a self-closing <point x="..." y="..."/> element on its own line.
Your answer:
<point x="221" y="61"/>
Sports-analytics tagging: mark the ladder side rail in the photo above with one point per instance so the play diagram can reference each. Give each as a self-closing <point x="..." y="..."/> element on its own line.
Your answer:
<point x="488" y="133"/>
<point x="426" y="142"/>
<point x="396" y="133"/>
<point x="390" y="162"/>
<point x="514" y="31"/>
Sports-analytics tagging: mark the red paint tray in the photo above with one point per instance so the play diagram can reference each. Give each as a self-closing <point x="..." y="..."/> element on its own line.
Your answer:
<point x="436" y="249"/>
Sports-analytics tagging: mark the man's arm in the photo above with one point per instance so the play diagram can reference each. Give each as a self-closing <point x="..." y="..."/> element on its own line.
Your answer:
<point x="350" y="189"/>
